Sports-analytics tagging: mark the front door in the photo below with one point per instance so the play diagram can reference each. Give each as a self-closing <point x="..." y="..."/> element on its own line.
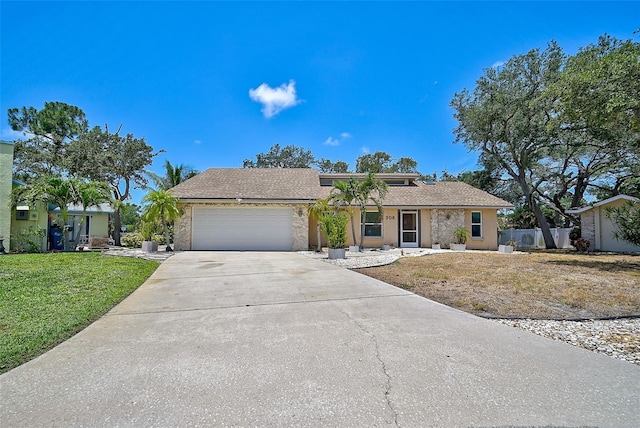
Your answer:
<point x="409" y="229"/>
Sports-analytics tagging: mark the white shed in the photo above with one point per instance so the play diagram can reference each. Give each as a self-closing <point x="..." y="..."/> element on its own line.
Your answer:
<point x="598" y="229"/>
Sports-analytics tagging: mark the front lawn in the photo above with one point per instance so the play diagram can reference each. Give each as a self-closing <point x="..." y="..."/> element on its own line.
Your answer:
<point x="543" y="285"/>
<point x="47" y="298"/>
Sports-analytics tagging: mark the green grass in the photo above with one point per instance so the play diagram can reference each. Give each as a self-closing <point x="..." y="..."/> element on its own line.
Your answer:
<point x="47" y="298"/>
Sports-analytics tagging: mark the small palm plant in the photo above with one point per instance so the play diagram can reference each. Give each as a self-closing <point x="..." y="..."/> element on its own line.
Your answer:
<point x="460" y="235"/>
<point x="316" y="210"/>
<point x="160" y="206"/>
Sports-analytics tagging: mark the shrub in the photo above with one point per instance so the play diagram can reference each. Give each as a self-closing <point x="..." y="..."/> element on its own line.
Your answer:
<point x="581" y="244"/>
<point x="132" y="240"/>
<point x="334" y="225"/>
<point x="29" y="240"/>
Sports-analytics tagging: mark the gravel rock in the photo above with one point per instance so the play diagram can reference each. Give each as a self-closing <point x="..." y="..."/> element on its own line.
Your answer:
<point x="618" y="338"/>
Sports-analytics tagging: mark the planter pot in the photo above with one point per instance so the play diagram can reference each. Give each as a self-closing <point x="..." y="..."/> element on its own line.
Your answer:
<point x="507" y="249"/>
<point x="337" y="253"/>
<point x="435" y="246"/>
<point x="354" y="249"/>
<point x="149" y="246"/>
<point x="458" y="247"/>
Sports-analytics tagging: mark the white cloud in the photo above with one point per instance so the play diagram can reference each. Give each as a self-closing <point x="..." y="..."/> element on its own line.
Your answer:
<point x="274" y="100"/>
<point x="197" y="141"/>
<point x="331" y="142"/>
<point x="345" y="135"/>
<point x="365" y="150"/>
<point x="497" y="64"/>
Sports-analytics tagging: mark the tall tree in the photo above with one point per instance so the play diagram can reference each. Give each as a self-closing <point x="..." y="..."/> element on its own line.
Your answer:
<point x="326" y="165"/>
<point x="506" y="118"/>
<point x="119" y="161"/>
<point x="282" y="157"/>
<point x="49" y="131"/>
<point x="382" y="162"/>
<point x="173" y="175"/>
<point x="597" y="121"/>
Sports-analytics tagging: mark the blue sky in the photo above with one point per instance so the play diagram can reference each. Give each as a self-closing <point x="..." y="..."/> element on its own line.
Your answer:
<point x="213" y="83"/>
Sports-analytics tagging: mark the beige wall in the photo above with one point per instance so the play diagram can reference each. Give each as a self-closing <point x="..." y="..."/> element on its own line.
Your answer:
<point x="449" y="219"/>
<point x="489" y="240"/>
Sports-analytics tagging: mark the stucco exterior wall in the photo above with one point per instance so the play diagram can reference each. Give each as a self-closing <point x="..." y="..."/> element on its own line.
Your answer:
<point x="300" y="224"/>
<point x="489" y="239"/>
<point x="425" y="228"/>
<point x="38" y="217"/>
<point x="6" y="165"/>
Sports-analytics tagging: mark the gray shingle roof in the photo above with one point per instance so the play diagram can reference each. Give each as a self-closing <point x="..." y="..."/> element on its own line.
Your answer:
<point x="252" y="183"/>
<point x="304" y="184"/>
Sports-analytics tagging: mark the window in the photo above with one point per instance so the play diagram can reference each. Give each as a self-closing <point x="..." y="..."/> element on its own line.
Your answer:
<point x="373" y="224"/>
<point x="476" y="224"/>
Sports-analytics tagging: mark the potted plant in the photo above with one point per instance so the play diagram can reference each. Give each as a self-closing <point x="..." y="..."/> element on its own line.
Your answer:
<point x="146" y="230"/>
<point x="435" y="245"/>
<point x="508" y="247"/>
<point x="334" y="224"/>
<point x="460" y="236"/>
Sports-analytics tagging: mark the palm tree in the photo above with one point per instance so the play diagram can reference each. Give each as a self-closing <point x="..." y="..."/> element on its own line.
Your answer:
<point x="318" y="209"/>
<point x="370" y="189"/>
<point x="343" y="195"/>
<point x="160" y="206"/>
<point x="62" y="192"/>
<point x="173" y="175"/>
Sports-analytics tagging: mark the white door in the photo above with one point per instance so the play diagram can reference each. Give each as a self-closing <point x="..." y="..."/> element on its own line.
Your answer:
<point x="242" y="229"/>
<point x="409" y="229"/>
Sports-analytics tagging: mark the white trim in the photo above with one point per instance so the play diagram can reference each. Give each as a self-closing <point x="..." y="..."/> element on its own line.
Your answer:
<point x="599" y="204"/>
<point x="415" y="244"/>
<point x="476" y="224"/>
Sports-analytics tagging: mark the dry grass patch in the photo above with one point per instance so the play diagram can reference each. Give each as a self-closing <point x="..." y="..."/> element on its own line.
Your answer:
<point x="538" y="285"/>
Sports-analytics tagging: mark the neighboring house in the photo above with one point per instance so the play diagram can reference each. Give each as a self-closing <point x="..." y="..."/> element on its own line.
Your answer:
<point x="266" y="209"/>
<point x="598" y="229"/>
<point x="96" y="222"/>
<point x="27" y="227"/>
<point x="6" y="165"/>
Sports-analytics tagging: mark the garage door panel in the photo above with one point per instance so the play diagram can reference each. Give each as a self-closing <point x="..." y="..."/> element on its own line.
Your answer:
<point x="243" y="229"/>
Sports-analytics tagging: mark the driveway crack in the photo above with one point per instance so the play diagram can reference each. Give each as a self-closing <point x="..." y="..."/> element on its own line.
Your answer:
<point x="383" y="365"/>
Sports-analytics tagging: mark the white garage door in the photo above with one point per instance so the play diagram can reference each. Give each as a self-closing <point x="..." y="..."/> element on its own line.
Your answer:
<point x="243" y="229"/>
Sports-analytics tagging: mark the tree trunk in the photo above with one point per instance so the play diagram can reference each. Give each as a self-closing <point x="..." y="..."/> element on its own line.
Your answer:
<point x="363" y="214"/>
<point x="549" y="243"/>
<point x="319" y="247"/>
<point x="166" y="235"/>
<point x="353" y="227"/>
<point x="116" y="227"/>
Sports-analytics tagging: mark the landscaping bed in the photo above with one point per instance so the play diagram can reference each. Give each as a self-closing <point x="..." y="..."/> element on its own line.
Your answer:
<point x="47" y="298"/>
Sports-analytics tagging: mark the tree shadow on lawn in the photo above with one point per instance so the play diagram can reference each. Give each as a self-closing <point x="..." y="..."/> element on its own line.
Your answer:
<point x="625" y="266"/>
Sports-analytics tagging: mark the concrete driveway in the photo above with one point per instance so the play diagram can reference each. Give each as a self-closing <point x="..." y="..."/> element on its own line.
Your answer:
<point x="279" y="339"/>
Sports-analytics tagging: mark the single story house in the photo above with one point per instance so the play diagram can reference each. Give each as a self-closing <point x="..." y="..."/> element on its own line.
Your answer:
<point x="266" y="209"/>
<point x="598" y="229"/>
